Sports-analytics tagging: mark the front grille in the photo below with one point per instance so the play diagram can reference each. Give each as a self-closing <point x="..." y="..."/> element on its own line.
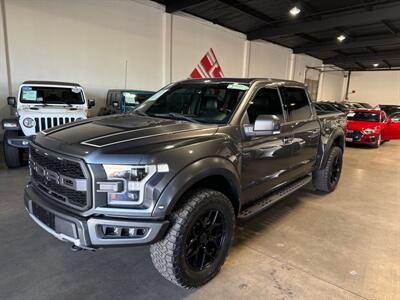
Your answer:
<point x="62" y="166"/>
<point x="355" y="135"/>
<point x="60" y="178"/>
<point x="44" y="123"/>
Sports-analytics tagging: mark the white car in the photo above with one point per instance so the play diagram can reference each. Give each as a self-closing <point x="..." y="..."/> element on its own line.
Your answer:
<point x="41" y="105"/>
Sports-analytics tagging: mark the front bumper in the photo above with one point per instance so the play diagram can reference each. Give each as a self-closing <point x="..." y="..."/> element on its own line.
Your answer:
<point x="87" y="233"/>
<point x="368" y="139"/>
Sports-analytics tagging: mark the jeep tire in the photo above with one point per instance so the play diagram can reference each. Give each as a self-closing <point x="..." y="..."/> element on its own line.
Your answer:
<point x="12" y="155"/>
<point x="326" y="179"/>
<point x="195" y="247"/>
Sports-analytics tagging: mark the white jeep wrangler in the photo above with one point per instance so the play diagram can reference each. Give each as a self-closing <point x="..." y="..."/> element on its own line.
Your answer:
<point x="39" y="106"/>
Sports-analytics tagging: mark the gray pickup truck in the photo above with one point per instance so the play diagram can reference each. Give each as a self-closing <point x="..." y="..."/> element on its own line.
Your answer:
<point x="178" y="171"/>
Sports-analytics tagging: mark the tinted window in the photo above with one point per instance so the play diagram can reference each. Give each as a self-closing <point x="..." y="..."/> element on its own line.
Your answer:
<point x="363" y="116"/>
<point x="265" y="102"/>
<point x="295" y="102"/>
<point x="53" y="95"/>
<point x="205" y="103"/>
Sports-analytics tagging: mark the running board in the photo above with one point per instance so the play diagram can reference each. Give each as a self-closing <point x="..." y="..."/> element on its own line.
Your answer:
<point x="264" y="203"/>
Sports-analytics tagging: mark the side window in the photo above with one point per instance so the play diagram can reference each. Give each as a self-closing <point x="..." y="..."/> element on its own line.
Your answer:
<point x="265" y="102"/>
<point x="296" y="103"/>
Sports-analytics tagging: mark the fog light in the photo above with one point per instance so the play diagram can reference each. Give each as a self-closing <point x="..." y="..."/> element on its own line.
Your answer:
<point x="123" y="232"/>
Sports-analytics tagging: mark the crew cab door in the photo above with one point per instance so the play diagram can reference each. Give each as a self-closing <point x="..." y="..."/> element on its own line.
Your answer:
<point x="305" y="127"/>
<point x="391" y="129"/>
<point x="265" y="159"/>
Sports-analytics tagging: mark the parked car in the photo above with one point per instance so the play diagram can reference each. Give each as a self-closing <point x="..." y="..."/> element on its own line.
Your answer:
<point x="389" y="109"/>
<point x="180" y="169"/>
<point x="123" y="101"/>
<point x="371" y="127"/>
<point x="40" y="105"/>
<point x="325" y="106"/>
<point x="395" y="117"/>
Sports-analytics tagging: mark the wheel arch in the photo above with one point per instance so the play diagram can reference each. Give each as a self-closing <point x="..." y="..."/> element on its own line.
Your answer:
<point x="335" y="139"/>
<point x="214" y="172"/>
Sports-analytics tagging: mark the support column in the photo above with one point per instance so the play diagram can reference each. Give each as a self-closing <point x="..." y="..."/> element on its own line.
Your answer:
<point x="167" y="20"/>
<point x="246" y="59"/>
<point x="6" y="48"/>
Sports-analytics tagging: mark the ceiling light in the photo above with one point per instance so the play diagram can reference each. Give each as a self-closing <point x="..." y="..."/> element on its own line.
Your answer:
<point x="341" y="38"/>
<point x="375" y="65"/>
<point x="295" y="11"/>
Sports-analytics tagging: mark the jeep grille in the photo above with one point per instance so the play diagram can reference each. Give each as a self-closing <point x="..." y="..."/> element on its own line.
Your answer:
<point x="48" y="122"/>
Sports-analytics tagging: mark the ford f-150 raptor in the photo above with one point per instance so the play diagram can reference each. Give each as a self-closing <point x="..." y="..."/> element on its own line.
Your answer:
<point x="178" y="171"/>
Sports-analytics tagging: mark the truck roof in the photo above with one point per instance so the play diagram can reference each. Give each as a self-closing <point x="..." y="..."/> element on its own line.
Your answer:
<point x="243" y="80"/>
<point x="51" y="83"/>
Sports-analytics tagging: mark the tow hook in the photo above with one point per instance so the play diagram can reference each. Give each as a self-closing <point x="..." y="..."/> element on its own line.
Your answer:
<point x="75" y="248"/>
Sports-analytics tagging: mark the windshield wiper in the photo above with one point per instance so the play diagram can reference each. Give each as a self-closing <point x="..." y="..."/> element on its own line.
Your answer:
<point x="182" y="117"/>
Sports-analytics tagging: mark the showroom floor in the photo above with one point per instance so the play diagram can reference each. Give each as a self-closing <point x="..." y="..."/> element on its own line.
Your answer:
<point x="345" y="245"/>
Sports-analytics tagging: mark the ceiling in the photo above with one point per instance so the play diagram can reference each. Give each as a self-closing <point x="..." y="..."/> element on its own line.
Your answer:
<point x="371" y="27"/>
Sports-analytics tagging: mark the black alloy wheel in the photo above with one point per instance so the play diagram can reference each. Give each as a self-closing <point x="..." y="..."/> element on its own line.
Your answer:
<point x="203" y="243"/>
<point x="336" y="170"/>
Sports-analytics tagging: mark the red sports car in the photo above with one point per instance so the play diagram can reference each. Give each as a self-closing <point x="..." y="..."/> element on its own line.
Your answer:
<point x="370" y="126"/>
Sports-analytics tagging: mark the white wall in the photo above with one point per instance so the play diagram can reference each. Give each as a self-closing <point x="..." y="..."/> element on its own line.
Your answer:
<point x="331" y="86"/>
<point x="103" y="43"/>
<point x="377" y="87"/>
<point x="88" y="42"/>
<point x="269" y="60"/>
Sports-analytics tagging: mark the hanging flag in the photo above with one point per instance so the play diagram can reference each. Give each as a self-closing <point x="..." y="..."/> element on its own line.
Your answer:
<point x="208" y="67"/>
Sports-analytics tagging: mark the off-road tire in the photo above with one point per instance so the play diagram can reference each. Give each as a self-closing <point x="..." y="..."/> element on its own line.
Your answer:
<point x="12" y="155"/>
<point x="322" y="179"/>
<point x="169" y="254"/>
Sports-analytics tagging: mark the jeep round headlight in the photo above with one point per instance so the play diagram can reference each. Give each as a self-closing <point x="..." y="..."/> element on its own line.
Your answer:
<point x="28" y="122"/>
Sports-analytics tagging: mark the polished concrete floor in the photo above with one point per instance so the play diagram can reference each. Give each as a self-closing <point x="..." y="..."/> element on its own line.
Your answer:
<point x="345" y="245"/>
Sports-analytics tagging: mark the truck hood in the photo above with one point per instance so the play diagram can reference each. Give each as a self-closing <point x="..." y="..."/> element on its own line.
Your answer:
<point x="127" y="136"/>
<point x="361" y="125"/>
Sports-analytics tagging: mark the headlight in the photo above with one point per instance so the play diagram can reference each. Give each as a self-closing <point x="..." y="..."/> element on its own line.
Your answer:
<point x="369" y="131"/>
<point x="10" y="124"/>
<point x="79" y="119"/>
<point x="125" y="184"/>
<point x="28" y="122"/>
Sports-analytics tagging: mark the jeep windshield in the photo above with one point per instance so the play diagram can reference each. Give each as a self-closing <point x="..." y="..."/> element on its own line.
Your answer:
<point x="51" y="95"/>
<point x="211" y="103"/>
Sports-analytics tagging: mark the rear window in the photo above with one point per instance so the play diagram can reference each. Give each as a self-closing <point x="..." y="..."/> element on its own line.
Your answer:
<point x="295" y="102"/>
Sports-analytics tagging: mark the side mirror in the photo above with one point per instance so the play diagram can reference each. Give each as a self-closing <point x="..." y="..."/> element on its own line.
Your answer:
<point x="12" y="101"/>
<point x="263" y="126"/>
<point x="115" y="104"/>
<point x="91" y="103"/>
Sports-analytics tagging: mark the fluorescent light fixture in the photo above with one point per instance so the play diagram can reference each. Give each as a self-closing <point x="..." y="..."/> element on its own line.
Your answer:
<point x="295" y="11"/>
<point x="375" y="65"/>
<point x="341" y="38"/>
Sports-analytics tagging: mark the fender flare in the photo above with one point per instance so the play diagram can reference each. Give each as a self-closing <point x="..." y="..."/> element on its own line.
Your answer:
<point x="337" y="133"/>
<point x="192" y="174"/>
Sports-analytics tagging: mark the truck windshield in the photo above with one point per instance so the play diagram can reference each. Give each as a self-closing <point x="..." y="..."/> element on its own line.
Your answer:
<point x="211" y="103"/>
<point x="51" y="95"/>
<point x="363" y="116"/>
